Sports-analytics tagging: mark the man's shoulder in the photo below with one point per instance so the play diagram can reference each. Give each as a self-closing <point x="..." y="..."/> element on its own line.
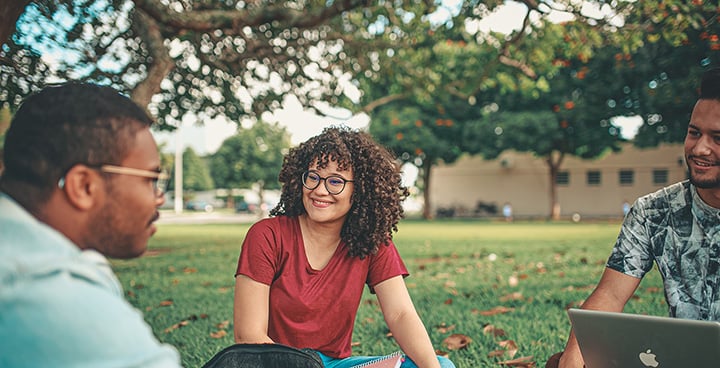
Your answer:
<point x="678" y="194"/>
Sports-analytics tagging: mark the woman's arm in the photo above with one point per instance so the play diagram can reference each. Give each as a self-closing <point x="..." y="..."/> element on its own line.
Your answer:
<point x="404" y="322"/>
<point x="251" y="311"/>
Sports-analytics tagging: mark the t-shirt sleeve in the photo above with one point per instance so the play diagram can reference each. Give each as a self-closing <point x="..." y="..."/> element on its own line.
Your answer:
<point x="385" y="264"/>
<point x="259" y="253"/>
<point x="632" y="254"/>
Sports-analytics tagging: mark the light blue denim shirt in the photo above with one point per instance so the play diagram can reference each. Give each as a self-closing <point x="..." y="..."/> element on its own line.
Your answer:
<point x="63" y="307"/>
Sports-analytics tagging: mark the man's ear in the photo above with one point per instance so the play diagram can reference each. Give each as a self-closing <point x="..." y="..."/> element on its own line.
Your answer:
<point x="81" y="186"/>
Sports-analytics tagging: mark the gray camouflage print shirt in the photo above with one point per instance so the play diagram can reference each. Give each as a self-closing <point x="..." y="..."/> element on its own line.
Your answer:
<point x="674" y="228"/>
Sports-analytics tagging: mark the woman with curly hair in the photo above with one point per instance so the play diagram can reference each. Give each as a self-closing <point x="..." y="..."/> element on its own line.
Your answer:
<point x="301" y="273"/>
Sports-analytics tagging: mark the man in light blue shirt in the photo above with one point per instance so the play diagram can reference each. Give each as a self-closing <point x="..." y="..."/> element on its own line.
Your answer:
<point x="82" y="182"/>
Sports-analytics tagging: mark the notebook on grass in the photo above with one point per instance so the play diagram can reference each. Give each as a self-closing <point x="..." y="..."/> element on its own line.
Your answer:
<point x="393" y="360"/>
<point x="623" y="340"/>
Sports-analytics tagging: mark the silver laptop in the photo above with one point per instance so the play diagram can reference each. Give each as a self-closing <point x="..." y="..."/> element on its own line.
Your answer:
<point x="622" y="340"/>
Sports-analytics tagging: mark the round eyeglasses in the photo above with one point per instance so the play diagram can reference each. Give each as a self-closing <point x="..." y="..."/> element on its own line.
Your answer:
<point x="334" y="184"/>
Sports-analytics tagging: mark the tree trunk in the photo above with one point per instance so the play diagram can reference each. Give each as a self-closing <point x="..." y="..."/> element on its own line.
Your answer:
<point x="161" y="65"/>
<point x="554" y="167"/>
<point x="10" y="11"/>
<point x="425" y="171"/>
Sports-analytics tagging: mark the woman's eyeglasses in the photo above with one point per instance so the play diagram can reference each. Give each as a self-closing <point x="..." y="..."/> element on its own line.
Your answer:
<point x="334" y="184"/>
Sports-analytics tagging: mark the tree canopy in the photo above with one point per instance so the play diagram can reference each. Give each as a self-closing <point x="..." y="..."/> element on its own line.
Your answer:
<point x="252" y="157"/>
<point x="239" y="59"/>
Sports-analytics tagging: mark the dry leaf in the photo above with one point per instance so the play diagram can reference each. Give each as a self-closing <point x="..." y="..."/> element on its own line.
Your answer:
<point x="490" y="329"/>
<point x="448" y="301"/>
<point x="189" y="269"/>
<point x="496" y="353"/>
<point x="166" y="303"/>
<point x="218" y="335"/>
<point x="524" y="362"/>
<point x="355" y="343"/>
<point x="512" y="296"/>
<point x="510" y="347"/>
<point x="223" y="325"/>
<point x="444" y="328"/>
<point x="456" y="341"/>
<point x="496" y="310"/>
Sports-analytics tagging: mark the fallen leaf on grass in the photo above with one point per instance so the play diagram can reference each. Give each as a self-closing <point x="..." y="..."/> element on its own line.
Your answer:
<point x="185" y="322"/>
<point x="354" y="344"/>
<point x="512" y="296"/>
<point x="177" y="325"/>
<point x="443" y="328"/>
<point x="510" y="347"/>
<point x="223" y="325"/>
<point x="456" y="341"/>
<point x="218" y="335"/>
<point x="166" y="303"/>
<point x="524" y="362"/>
<point x="494" y="311"/>
<point x="490" y="329"/>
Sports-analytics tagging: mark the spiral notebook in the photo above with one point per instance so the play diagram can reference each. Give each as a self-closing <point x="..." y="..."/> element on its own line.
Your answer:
<point x="393" y="360"/>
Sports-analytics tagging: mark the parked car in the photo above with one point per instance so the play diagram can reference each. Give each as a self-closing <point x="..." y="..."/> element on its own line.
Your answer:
<point x="244" y="207"/>
<point x="199" y="206"/>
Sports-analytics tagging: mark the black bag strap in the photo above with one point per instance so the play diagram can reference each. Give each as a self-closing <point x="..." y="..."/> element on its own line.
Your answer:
<point x="264" y="356"/>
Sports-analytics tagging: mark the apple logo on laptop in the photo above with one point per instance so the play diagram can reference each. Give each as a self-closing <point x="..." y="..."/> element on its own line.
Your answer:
<point x="648" y="358"/>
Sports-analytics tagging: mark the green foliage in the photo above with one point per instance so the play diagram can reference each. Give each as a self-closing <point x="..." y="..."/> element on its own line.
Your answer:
<point x="196" y="172"/>
<point x="252" y="156"/>
<point x="184" y="285"/>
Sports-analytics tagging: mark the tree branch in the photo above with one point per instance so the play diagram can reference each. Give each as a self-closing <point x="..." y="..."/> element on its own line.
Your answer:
<point x="161" y="63"/>
<point x="382" y="101"/>
<point x="209" y="20"/>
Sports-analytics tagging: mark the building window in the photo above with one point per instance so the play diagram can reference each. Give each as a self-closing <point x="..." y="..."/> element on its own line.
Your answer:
<point x="593" y="177"/>
<point x="627" y="177"/>
<point x="563" y="178"/>
<point x="660" y="176"/>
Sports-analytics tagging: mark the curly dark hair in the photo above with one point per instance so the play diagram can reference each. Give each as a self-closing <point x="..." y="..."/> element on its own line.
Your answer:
<point x="61" y="126"/>
<point x="710" y="85"/>
<point x="376" y="203"/>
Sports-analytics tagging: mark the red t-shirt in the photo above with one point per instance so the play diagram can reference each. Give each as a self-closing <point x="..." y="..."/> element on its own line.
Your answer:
<point x="311" y="308"/>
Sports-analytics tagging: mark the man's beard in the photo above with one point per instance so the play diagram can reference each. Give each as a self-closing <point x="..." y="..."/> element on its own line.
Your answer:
<point x="710" y="183"/>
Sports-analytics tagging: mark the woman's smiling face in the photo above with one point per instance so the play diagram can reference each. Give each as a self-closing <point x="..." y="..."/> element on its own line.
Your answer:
<point x="320" y="205"/>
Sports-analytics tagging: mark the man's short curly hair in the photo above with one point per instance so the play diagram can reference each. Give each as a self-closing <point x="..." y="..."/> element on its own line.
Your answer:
<point x="61" y="126"/>
<point x="376" y="203"/>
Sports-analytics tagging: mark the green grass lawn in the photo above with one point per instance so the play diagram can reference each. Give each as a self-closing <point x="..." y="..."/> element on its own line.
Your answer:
<point x="463" y="275"/>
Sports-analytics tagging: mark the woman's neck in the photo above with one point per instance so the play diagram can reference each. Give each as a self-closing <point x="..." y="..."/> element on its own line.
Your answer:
<point x="319" y="235"/>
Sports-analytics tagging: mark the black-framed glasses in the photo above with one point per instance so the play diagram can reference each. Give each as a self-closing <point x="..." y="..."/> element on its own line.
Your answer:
<point x="159" y="178"/>
<point x="334" y="184"/>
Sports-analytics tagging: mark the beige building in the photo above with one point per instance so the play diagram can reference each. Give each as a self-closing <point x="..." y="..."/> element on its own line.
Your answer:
<point x="591" y="188"/>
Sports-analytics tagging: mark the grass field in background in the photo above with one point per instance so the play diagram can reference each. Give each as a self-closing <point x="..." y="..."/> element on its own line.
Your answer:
<point x="466" y="278"/>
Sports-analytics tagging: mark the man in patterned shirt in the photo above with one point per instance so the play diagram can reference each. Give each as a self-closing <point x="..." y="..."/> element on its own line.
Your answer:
<point x="677" y="228"/>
